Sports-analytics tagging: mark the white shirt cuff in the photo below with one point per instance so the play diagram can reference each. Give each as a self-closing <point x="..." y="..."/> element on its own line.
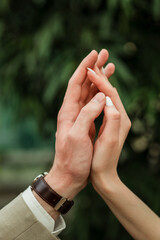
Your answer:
<point x="42" y="216"/>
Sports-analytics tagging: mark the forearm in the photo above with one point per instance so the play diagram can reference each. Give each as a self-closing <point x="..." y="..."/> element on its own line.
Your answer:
<point x="138" y="219"/>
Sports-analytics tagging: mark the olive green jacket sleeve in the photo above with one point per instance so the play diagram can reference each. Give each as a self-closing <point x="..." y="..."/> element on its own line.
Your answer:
<point x="18" y="222"/>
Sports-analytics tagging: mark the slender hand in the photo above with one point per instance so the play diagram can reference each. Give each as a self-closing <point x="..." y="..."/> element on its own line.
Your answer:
<point x="136" y="217"/>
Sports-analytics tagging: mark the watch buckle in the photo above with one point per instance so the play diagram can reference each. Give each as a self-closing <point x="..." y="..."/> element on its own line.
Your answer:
<point x="60" y="203"/>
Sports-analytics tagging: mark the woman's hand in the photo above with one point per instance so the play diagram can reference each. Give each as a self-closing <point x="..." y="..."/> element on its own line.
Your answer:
<point x="138" y="219"/>
<point x="112" y="134"/>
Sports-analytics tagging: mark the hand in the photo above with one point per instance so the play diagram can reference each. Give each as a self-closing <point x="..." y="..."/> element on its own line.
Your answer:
<point x="112" y="134"/>
<point x="74" y="147"/>
<point x="135" y="216"/>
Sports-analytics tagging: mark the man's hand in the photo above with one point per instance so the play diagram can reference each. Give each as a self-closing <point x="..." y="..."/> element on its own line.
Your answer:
<point x="75" y="129"/>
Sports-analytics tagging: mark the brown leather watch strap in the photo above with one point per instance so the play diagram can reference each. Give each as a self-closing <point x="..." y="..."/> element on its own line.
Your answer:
<point x="41" y="187"/>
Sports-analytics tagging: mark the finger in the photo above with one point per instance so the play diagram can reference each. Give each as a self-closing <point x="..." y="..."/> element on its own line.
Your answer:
<point x="73" y="92"/>
<point x="92" y="92"/>
<point x="109" y="70"/>
<point x="102" y="126"/>
<point x="96" y="77"/>
<point x="70" y="107"/>
<point x="102" y="59"/>
<point x="88" y="114"/>
<point x="110" y="133"/>
<point x="85" y="90"/>
<point x="106" y="87"/>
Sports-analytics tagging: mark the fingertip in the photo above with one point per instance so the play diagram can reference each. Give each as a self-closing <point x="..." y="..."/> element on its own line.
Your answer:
<point x="111" y="110"/>
<point x="111" y="67"/>
<point x="91" y="59"/>
<point x="104" y="51"/>
<point x="99" y="98"/>
<point x="94" y="52"/>
<point x="109" y="102"/>
<point x="109" y="70"/>
<point x="102" y="58"/>
<point x="91" y="71"/>
<point x="103" y="97"/>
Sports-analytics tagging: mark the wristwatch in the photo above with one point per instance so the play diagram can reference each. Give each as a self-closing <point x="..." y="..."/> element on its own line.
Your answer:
<point x="59" y="203"/>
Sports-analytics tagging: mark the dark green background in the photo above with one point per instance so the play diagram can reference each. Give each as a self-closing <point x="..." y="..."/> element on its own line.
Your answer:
<point x="41" y="44"/>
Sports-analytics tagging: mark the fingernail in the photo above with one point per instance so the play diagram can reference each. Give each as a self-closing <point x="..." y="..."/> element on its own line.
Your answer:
<point x="89" y="69"/>
<point x="103" y="71"/>
<point x="109" y="102"/>
<point x="98" y="98"/>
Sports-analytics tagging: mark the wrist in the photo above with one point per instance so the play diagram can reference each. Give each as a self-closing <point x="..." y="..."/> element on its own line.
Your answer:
<point x="64" y="185"/>
<point x="105" y="183"/>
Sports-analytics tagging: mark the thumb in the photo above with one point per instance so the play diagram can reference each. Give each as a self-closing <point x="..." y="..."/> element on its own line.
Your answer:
<point x="89" y="113"/>
<point x="111" y="127"/>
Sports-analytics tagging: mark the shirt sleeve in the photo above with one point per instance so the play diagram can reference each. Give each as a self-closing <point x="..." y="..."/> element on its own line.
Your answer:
<point x="55" y="227"/>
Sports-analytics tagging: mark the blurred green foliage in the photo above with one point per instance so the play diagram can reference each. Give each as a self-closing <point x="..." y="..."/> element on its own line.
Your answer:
<point x="41" y="44"/>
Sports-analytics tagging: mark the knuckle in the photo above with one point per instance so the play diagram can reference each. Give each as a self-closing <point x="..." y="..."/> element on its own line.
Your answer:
<point x="76" y="138"/>
<point x="84" y="111"/>
<point x="72" y="137"/>
<point x="61" y="146"/>
<point x="60" y="116"/>
<point x="70" y="83"/>
<point x="112" y="142"/>
<point x="115" y="115"/>
<point x="129" y="124"/>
